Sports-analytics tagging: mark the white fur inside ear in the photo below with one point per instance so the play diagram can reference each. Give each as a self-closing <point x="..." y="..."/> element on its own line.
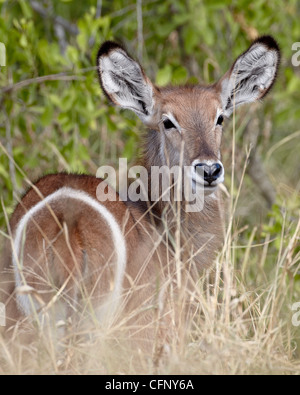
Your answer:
<point x="125" y="83"/>
<point x="252" y="75"/>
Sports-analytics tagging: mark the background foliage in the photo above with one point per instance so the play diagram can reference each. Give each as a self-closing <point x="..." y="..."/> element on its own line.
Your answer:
<point x="64" y="123"/>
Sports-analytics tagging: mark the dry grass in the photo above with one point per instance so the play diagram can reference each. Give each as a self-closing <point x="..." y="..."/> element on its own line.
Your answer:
<point x="234" y="328"/>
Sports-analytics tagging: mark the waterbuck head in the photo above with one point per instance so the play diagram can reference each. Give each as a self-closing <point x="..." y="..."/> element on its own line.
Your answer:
<point x="185" y="122"/>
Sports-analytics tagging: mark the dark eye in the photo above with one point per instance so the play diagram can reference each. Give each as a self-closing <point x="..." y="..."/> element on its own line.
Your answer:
<point x="220" y="120"/>
<point x="169" y="124"/>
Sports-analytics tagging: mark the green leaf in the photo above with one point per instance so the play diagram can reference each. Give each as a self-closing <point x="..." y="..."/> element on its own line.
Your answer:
<point x="84" y="131"/>
<point x="55" y="99"/>
<point x="3" y="172"/>
<point x="130" y="148"/>
<point x="47" y="116"/>
<point x="179" y="75"/>
<point x="72" y="54"/>
<point x="26" y="9"/>
<point x="164" y="76"/>
<point x="23" y="41"/>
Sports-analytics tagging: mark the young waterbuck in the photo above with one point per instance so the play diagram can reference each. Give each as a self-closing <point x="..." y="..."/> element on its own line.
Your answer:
<point x="119" y="256"/>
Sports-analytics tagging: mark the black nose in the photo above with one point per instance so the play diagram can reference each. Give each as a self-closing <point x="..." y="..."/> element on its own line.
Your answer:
<point x="210" y="173"/>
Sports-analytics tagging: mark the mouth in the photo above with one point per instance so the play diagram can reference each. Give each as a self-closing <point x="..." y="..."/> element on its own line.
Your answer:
<point x="207" y="187"/>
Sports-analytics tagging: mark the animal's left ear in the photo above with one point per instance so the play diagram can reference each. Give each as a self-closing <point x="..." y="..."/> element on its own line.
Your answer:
<point x="251" y="76"/>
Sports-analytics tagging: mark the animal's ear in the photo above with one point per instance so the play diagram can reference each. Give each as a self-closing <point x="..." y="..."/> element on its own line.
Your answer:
<point x="124" y="81"/>
<point x="251" y="76"/>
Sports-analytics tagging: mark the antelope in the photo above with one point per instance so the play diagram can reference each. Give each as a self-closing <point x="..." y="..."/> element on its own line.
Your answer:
<point x="65" y="242"/>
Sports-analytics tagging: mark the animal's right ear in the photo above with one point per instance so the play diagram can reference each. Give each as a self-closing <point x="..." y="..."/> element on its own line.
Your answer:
<point x="124" y="81"/>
